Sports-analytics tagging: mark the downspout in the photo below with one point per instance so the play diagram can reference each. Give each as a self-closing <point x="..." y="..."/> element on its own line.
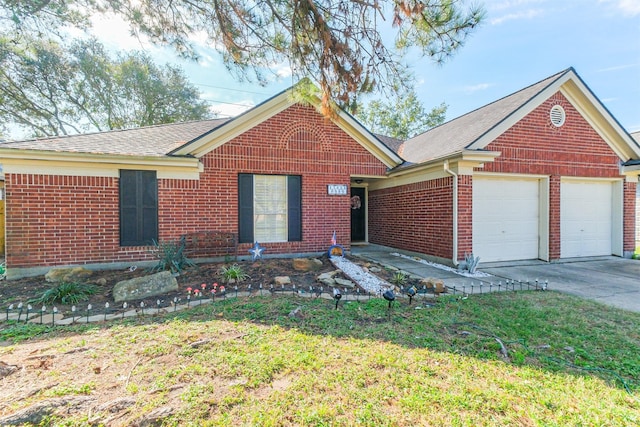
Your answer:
<point x="455" y="211"/>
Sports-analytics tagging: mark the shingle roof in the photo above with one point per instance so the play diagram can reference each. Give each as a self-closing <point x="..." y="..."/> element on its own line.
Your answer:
<point x="155" y="141"/>
<point x="389" y="141"/>
<point x="457" y="134"/>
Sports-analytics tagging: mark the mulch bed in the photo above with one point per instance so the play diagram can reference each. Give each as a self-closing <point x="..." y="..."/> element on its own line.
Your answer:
<point x="261" y="272"/>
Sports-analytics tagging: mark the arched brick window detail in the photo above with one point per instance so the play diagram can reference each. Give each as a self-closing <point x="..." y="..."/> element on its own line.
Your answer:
<point x="303" y="136"/>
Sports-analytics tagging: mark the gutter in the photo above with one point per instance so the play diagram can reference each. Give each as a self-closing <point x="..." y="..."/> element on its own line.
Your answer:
<point x="455" y="212"/>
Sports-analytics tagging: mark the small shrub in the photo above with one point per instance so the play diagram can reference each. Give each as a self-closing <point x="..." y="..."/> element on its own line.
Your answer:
<point x="170" y="254"/>
<point x="66" y="293"/>
<point x="233" y="273"/>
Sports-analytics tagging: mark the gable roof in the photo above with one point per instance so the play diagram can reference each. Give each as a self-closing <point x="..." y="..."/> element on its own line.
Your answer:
<point x="154" y="141"/>
<point x="216" y="137"/>
<point x="475" y="130"/>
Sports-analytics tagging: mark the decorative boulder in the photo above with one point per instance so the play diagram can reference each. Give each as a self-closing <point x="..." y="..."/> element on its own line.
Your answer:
<point x="282" y="280"/>
<point x="306" y="264"/>
<point x="69" y="275"/>
<point x="146" y="286"/>
<point x="327" y="278"/>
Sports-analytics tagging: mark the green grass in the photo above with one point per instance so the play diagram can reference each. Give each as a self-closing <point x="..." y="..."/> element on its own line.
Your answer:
<point x="570" y="362"/>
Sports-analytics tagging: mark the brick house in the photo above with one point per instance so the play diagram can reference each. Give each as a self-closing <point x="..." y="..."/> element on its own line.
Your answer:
<point x="508" y="181"/>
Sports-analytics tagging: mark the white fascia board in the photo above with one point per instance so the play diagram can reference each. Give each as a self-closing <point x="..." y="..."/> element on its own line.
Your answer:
<point x="82" y="164"/>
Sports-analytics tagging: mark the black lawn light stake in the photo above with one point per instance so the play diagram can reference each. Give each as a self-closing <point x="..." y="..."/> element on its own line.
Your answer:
<point x="336" y="296"/>
<point x="389" y="296"/>
<point x="19" y="311"/>
<point x="42" y="312"/>
<point x="411" y="292"/>
<point x="106" y="310"/>
<point x="124" y="308"/>
<point x="8" y="310"/>
<point x="53" y="315"/>
<point x="26" y="319"/>
<point x="88" y="312"/>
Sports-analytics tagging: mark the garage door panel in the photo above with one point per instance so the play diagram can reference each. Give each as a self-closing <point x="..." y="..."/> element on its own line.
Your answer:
<point x="586" y="218"/>
<point x="505" y="219"/>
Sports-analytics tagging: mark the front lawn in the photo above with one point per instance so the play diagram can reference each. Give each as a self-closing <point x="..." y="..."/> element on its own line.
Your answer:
<point x="517" y="358"/>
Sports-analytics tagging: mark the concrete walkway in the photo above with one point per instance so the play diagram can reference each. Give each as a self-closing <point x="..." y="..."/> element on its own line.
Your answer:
<point x="609" y="280"/>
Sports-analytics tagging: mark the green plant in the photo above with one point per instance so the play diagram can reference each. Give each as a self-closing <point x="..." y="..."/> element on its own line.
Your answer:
<point x="66" y="293"/>
<point x="170" y="255"/>
<point x="233" y="273"/>
<point x="399" y="279"/>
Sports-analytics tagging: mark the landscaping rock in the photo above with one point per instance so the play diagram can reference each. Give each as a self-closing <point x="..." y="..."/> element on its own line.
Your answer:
<point x="327" y="278"/>
<point x="146" y="286"/>
<point x="69" y="275"/>
<point x="306" y="264"/>
<point x="345" y="283"/>
<point x="282" y="280"/>
<point x="436" y="284"/>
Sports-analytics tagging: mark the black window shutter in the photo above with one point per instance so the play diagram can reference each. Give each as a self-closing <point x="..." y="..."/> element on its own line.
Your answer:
<point x="294" y="197"/>
<point x="245" y="208"/>
<point x="138" y="207"/>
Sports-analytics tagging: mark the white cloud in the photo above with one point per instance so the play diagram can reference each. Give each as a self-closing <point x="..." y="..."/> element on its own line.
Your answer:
<point x="477" y="88"/>
<point x="628" y="7"/>
<point x="523" y="14"/>
<point x="617" y="68"/>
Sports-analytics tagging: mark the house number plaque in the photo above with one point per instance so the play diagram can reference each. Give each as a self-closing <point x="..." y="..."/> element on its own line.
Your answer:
<point x="337" y="189"/>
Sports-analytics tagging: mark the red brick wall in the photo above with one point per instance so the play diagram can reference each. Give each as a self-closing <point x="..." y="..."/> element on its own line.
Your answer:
<point x="57" y="220"/>
<point x="535" y="146"/>
<point x="53" y="220"/>
<point x="415" y="217"/>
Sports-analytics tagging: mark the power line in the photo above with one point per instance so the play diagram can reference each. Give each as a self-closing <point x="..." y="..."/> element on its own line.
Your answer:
<point x="234" y="90"/>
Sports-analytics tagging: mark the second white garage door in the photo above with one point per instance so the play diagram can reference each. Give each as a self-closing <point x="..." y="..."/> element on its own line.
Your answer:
<point x="585" y="218"/>
<point x="506" y="218"/>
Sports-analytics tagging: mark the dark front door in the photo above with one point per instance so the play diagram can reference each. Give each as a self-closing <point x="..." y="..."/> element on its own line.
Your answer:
<point x="358" y="217"/>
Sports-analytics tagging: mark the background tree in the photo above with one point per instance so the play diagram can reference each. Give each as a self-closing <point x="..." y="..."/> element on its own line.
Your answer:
<point x="50" y="90"/>
<point x="401" y="117"/>
<point x="337" y="44"/>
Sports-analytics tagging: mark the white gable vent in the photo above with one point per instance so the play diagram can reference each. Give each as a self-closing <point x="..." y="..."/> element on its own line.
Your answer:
<point x="557" y="115"/>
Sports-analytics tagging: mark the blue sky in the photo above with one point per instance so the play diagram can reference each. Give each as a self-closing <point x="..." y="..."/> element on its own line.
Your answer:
<point x="520" y="42"/>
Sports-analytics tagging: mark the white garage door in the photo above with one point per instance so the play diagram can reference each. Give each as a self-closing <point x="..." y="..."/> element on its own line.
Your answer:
<point x="585" y="218"/>
<point x="506" y="217"/>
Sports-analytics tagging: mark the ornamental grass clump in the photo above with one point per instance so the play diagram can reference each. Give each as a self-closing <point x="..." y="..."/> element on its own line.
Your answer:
<point x="233" y="273"/>
<point x="66" y="293"/>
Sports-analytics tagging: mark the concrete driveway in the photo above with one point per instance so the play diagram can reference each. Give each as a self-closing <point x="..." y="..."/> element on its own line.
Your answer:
<point x="609" y="280"/>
